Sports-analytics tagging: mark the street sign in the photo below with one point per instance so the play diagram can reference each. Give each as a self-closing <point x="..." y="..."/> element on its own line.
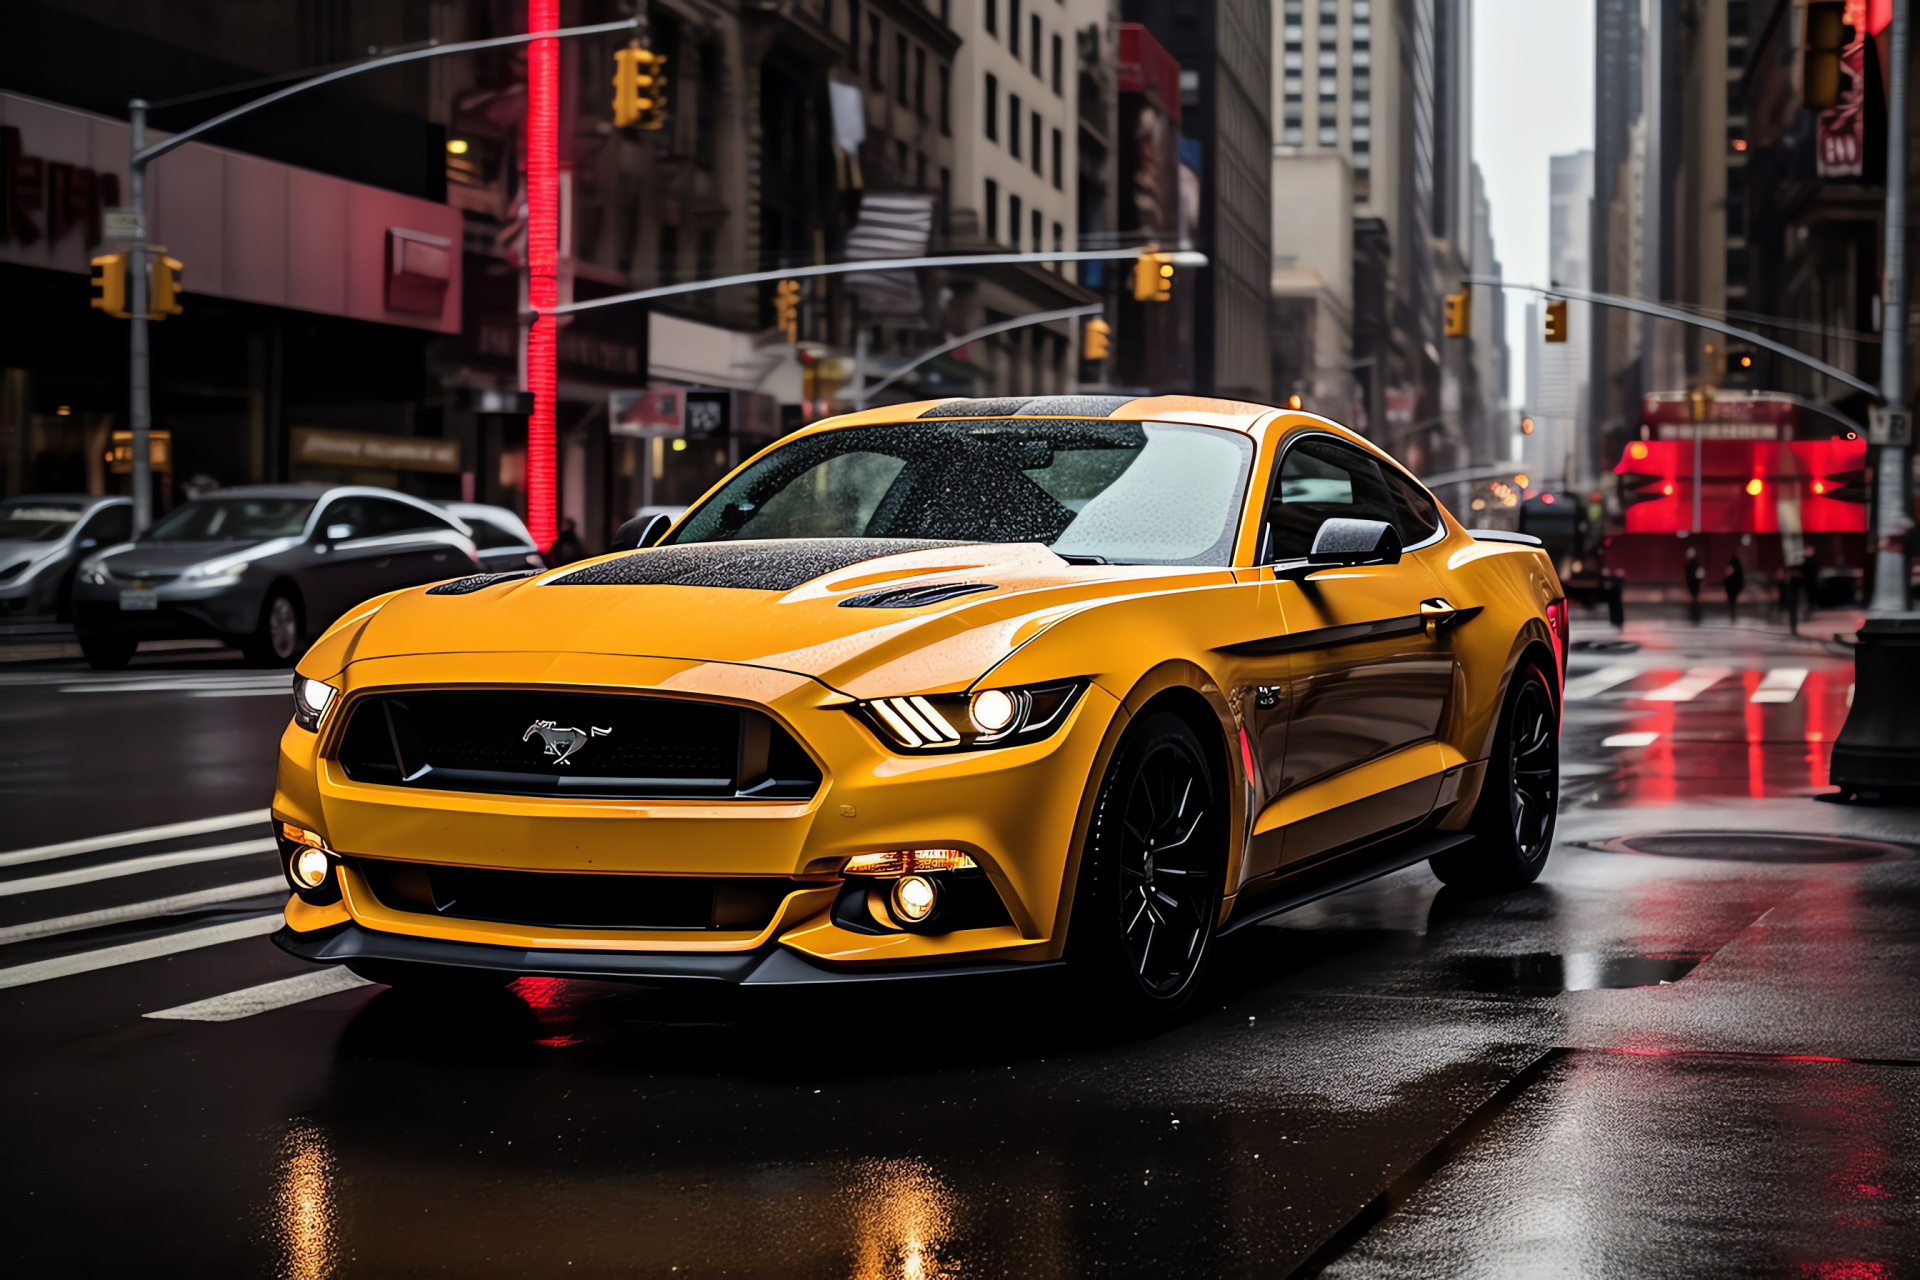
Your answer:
<point x="123" y="223"/>
<point x="709" y="414"/>
<point x="1889" y="426"/>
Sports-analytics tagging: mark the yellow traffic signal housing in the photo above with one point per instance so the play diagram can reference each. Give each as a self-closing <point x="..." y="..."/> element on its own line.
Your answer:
<point x="786" y="309"/>
<point x="1459" y="314"/>
<point x="1153" y="277"/>
<point x="1097" y="344"/>
<point x="163" y="299"/>
<point x="1526" y="426"/>
<point x="110" y="278"/>
<point x="1824" y="42"/>
<point x="1557" y="321"/>
<point x="639" y="88"/>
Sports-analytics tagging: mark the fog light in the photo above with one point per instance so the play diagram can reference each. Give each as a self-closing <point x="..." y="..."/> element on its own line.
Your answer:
<point x="310" y="868"/>
<point x="914" y="898"/>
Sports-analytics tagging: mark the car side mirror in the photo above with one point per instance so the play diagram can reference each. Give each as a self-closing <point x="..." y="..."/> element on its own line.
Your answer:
<point x="640" y="532"/>
<point x="1341" y="542"/>
<point x="339" y="532"/>
<point x="89" y="542"/>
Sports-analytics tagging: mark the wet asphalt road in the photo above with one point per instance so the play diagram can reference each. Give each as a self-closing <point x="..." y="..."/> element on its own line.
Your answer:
<point x="1694" y="1059"/>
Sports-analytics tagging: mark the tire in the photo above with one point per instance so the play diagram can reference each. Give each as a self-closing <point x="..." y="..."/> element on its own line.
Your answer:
<point x="1147" y="900"/>
<point x="281" y="636"/>
<point x="1513" y="819"/>
<point x="108" y="650"/>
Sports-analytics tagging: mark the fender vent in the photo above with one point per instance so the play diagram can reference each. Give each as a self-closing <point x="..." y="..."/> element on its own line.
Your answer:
<point x="467" y="586"/>
<point x="916" y="597"/>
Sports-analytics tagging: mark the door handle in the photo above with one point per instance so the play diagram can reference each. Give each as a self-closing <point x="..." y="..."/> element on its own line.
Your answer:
<point x="1439" y="615"/>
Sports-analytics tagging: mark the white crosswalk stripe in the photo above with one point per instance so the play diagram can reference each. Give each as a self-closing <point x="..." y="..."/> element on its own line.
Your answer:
<point x="1782" y="684"/>
<point x="139" y="835"/>
<point x="265" y="997"/>
<point x="21" y="975"/>
<point x="1641" y="739"/>
<point x="1690" y="686"/>
<point x="1593" y="683"/>
<point x="132" y="866"/>
<point x="175" y="905"/>
<point x="213" y="683"/>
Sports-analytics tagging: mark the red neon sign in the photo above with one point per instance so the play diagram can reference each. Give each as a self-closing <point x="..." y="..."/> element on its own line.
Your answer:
<point x="543" y="263"/>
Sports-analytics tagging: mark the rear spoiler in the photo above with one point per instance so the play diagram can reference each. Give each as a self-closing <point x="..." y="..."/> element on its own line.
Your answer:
<point x="1504" y="535"/>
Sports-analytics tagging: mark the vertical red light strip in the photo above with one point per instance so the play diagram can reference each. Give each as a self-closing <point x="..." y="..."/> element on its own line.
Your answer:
<point x="543" y="263"/>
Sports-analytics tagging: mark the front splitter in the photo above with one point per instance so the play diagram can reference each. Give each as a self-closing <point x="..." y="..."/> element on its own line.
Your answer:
<point x="770" y="966"/>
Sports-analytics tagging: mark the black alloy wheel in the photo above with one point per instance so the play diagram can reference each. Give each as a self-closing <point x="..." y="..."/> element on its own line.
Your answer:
<point x="1519" y="796"/>
<point x="1149" y="890"/>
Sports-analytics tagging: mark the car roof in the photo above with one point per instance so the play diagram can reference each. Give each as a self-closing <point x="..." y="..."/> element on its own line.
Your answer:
<point x="1208" y="411"/>
<point x="81" y="498"/>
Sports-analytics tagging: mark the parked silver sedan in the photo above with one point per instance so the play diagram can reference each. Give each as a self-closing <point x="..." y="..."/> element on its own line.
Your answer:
<point x="267" y="568"/>
<point x="505" y="545"/>
<point x="43" y="539"/>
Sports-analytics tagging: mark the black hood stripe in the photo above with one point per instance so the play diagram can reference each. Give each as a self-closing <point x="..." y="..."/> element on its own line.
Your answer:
<point x="746" y="566"/>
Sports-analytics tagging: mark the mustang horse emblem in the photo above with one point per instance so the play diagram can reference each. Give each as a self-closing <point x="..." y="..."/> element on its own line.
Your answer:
<point x="561" y="743"/>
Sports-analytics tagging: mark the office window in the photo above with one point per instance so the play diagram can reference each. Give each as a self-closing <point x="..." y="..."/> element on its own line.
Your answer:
<point x="993" y="209"/>
<point x="1013" y="127"/>
<point x="900" y="70"/>
<point x="873" y="51"/>
<point x="1013" y="27"/>
<point x="704" y="255"/>
<point x="1013" y="221"/>
<point x="946" y="192"/>
<point x="1059" y="153"/>
<point x="1037" y="153"/>
<point x="943" y="14"/>
<point x="1038" y="244"/>
<point x="900" y="161"/>
<point x="1059" y="238"/>
<point x="1329" y="136"/>
<point x="920" y="82"/>
<point x="1059" y="57"/>
<point x="920" y="170"/>
<point x="853" y="34"/>
<point x="1033" y="26"/>
<point x="946" y="102"/>
<point x="669" y="255"/>
<point x="993" y="16"/>
<point x="993" y="107"/>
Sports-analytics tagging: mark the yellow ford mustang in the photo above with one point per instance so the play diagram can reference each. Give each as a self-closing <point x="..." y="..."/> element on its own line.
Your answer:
<point x="946" y="687"/>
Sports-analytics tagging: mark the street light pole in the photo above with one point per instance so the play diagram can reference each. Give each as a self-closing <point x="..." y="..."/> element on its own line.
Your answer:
<point x="139" y="406"/>
<point x="1893" y="506"/>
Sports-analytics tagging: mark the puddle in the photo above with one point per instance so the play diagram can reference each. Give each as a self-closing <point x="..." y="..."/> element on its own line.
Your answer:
<point x="1549" y="973"/>
<point x="1754" y="846"/>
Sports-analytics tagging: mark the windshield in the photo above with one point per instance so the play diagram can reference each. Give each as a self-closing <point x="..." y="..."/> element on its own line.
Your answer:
<point x="1119" y="492"/>
<point x="37" y="521"/>
<point x="233" y="520"/>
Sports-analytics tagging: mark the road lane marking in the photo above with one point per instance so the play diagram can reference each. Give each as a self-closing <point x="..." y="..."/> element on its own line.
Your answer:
<point x="275" y="692"/>
<point x="1597" y="682"/>
<point x="140" y="835"/>
<point x="279" y="682"/>
<point x="133" y="867"/>
<point x="1782" y="684"/>
<point x="1690" y="686"/>
<point x="142" y="910"/>
<point x="266" y="997"/>
<point x="21" y="975"/>
<point x="1643" y="739"/>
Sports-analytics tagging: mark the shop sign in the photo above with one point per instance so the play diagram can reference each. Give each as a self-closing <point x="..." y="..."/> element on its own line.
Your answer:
<point x="42" y="199"/>
<point x="657" y="411"/>
<point x="317" y="445"/>
<point x="159" y="452"/>
<point x="709" y="414"/>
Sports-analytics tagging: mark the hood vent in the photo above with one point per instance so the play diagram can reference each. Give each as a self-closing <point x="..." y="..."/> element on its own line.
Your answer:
<point x="915" y="597"/>
<point x="467" y="586"/>
<point x="774" y="565"/>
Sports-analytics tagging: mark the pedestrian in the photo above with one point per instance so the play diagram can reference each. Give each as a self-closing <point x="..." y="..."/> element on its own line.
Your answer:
<point x="567" y="547"/>
<point x="1789" y="583"/>
<point x="1809" y="580"/>
<point x="1735" y="580"/>
<point x="1695" y="577"/>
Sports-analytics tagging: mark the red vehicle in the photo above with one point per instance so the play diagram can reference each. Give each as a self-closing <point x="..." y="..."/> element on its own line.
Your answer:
<point x="1775" y="481"/>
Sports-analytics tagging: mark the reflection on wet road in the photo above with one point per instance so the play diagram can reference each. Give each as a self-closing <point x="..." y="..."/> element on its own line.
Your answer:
<point x="1689" y="1050"/>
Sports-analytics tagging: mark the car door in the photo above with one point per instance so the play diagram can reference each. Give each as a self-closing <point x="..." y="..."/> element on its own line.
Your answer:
<point x="350" y="562"/>
<point x="1369" y="670"/>
<point x="420" y="546"/>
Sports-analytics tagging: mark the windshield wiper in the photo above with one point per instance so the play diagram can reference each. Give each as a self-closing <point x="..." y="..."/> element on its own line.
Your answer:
<point x="1073" y="559"/>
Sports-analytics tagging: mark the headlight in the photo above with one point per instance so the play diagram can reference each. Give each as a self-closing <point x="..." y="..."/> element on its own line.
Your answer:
<point x="224" y="570"/>
<point x="94" y="573"/>
<point x="986" y="718"/>
<point x="311" y="698"/>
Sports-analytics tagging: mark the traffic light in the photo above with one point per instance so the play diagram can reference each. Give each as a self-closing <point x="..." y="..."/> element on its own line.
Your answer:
<point x="1097" y="345"/>
<point x="1153" y="277"/>
<point x="163" y="299"/>
<point x="786" y="309"/>
<point x="1526" y="426"/>
<point x="1459" y="315"/>
<point x="1557" y="321"/>
<point x="1824" y="41"/>
<point x="110" y="278"/>
<point x="639" y="88"/>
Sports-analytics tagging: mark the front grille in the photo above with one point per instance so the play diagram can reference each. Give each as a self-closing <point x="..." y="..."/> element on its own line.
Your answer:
<point x="152" y="577"/>
<point x="530" y="742"/>
<point x="578" y="900"/>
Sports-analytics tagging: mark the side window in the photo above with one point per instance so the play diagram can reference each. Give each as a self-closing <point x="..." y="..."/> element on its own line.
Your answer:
<point x="391" y="517"/>
<point x="487" y="535"/>
<point x="348" y="514"/>
<point x="1414" y="513"/>
<point x="115" y="524"/>
<point x="1321" y="479"/>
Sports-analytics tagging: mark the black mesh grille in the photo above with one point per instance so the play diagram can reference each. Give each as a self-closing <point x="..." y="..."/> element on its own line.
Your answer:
<point x="578" y="900"/>
<point x="529" y="742"/>
<point x="467" y="586"/>
<point x="776" y="565"/>
<point x="915" y="597"/>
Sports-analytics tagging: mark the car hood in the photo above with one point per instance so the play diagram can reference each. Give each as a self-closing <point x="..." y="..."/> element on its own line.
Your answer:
<point x="13" y="551"/>
<point x="171" y="557"/>
<point x="814" y="608"/>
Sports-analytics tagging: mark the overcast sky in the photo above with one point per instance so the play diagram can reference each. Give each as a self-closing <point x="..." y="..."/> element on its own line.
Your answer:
<point x="1532" y="98"/>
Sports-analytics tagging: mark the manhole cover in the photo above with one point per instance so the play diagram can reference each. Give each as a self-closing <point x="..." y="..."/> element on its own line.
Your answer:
<point x="1755" y="846"/>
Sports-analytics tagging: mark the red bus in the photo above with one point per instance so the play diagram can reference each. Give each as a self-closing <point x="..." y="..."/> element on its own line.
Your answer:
<point x="1774" y="481"/>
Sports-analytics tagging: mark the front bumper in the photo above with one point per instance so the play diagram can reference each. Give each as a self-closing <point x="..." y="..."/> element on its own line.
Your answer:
<point x="224" y="613"/>
<point x="767" y="966"/>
